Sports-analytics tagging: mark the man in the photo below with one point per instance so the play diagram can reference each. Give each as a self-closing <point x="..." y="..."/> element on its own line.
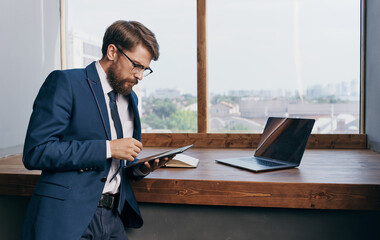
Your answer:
<point x="83" y="133"/>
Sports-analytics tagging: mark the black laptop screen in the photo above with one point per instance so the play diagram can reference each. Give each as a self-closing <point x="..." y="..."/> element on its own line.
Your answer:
<point x="285" y="139"/>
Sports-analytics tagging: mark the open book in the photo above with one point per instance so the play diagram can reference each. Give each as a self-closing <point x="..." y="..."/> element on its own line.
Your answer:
<point x="182" y="160"/>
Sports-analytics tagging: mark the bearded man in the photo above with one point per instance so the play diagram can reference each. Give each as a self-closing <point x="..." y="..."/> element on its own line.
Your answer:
<point x="83" y="133"/>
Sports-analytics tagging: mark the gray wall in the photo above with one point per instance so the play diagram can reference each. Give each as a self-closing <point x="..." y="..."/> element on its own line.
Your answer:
<point x="165" y="221"/>
<point x="372" y="99"/>
<point x="29" y="50"/>
<point x="187" y="222"/>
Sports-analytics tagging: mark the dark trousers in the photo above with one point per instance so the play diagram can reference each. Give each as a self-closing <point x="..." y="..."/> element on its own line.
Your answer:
<point x="106" y="224"/>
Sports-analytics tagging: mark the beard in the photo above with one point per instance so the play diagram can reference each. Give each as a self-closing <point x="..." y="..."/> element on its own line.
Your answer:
<point x="118" y="84"/>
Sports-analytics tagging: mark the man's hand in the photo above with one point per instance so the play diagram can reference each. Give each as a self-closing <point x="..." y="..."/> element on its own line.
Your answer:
<point x="125" y="148"/>
<point x="156" y="164"/>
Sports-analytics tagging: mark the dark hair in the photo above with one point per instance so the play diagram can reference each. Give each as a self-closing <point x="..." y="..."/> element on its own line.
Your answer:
<point x="127" y="35"/>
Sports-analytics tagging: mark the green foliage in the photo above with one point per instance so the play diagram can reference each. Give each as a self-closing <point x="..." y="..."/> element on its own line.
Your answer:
<point x="155" y="122"/>
<point x="189" y="99"/>
<point x="164" y="114"/>
<point x="164" y="108"/>
<point x="183" y="121"/>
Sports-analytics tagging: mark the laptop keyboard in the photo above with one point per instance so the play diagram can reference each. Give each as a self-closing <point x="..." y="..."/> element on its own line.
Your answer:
<point x="261" y="162"/>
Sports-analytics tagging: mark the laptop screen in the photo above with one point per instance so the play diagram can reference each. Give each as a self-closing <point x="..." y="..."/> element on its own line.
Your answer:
<point x="285" y="139"/>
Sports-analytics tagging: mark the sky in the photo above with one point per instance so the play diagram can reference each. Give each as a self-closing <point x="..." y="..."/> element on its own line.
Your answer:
<point x="251" y="44"/>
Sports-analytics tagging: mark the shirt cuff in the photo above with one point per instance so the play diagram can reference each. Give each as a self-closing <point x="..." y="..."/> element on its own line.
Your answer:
<point x="137" y="172"/>
<point x="108" y="147"/>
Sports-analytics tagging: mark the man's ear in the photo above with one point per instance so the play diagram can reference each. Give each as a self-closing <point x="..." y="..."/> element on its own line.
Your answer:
<point x="111" y="52"/>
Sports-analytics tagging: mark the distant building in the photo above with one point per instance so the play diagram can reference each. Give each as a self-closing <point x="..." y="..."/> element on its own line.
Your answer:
<point x="262" y="93"/>
<point x="169" y="93"/>
<point x="347" y="90"/>
<point x="253" y="108"/>
<point x="82" y="49"/>
<point x="224" y="109"/>
<point x="192" y="107"/>
<point x="241" y="93"/>
<point x="343" y="123"/>
<point x="323" y="109"/>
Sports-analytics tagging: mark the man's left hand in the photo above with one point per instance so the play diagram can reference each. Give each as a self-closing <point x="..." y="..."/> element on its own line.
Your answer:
<point x="156" y="164"/>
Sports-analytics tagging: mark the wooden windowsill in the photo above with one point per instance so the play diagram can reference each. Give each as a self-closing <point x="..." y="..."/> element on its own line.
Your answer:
<point x="326" y="179"/>
<point x="245" y="140"/>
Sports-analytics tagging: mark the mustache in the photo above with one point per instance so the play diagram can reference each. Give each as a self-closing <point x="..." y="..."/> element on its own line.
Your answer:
<point x="136" y="81"/>
<point x="122" y="82"/>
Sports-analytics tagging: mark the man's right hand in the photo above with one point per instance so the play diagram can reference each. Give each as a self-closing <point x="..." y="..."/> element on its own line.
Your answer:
<point x="125" y="148"/>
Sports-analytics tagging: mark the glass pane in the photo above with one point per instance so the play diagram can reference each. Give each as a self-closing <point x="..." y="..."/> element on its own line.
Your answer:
<point x="167" y="97"/>
<point x="284" y="58"/>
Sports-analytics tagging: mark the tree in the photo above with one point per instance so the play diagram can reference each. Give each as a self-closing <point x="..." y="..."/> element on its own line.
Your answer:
<point x="164" y="108"/>
<point x="183" y="121"/>
<point x="164" y="114"/>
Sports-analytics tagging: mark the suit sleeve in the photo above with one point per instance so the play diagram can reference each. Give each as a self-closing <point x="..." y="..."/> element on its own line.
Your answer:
<point x="45" y="145"/>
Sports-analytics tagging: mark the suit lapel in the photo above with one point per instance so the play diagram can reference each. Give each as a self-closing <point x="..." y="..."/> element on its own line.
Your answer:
<point x="97" y="90"/>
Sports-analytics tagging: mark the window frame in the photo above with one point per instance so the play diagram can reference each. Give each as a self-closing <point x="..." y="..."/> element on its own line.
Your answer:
<point x="205" y="139"/>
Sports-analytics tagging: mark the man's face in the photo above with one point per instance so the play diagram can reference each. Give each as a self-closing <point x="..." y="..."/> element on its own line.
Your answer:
<point x="121" y="74"/>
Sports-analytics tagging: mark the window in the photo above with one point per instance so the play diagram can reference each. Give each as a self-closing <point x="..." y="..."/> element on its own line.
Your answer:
<point x="167" y="98"/>
<point x="284" y="58"/>
<point x="293" y="58"/>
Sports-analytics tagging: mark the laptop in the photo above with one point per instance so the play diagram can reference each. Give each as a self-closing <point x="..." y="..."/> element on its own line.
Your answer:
<point x="281" y="146"/>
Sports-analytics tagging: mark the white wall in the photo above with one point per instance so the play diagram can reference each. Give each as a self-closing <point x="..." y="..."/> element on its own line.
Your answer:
<point x="29" y="50"/>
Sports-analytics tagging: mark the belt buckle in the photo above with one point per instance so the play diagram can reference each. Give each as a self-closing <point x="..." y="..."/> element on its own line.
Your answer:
<point x="106" y="201"/>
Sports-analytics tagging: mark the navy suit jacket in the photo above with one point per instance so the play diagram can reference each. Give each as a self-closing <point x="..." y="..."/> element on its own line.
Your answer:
<point x="66" y="139"/>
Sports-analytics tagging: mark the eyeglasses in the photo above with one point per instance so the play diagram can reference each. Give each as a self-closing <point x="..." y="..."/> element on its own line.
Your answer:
<point x="137" y="67"/>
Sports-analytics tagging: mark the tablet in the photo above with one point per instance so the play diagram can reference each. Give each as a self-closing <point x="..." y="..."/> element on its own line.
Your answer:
<point x="160" y="155"/>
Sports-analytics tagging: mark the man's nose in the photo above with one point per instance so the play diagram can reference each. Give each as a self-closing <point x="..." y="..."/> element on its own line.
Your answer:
<point x="139" y="75"/>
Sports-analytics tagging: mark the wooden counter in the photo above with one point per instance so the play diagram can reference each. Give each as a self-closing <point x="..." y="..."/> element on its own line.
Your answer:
<point x="326" y="179"/>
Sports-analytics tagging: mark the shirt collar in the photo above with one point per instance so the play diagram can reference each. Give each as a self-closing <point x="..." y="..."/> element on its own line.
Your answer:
<point x="103" y="78"/>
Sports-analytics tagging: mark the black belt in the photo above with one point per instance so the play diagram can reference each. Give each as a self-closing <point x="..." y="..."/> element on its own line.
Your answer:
<point x="108" y="201"/>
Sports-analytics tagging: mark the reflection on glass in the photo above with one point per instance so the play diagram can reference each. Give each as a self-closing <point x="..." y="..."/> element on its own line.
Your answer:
<point x="285" y="139"/>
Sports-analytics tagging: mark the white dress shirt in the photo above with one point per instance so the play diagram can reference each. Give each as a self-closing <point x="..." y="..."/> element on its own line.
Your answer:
<point x="126" y="118"/>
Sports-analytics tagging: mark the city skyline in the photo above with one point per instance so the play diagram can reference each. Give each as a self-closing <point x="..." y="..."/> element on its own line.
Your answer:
<point x="340" y="89"/>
